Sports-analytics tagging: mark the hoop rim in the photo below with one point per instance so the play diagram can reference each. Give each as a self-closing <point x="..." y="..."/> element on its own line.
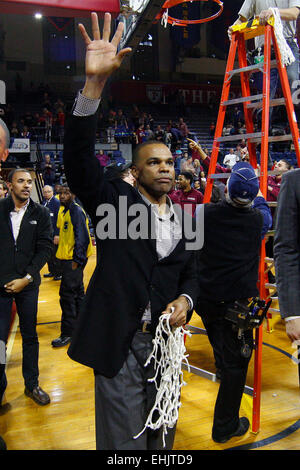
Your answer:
<point x="178" y="22"/>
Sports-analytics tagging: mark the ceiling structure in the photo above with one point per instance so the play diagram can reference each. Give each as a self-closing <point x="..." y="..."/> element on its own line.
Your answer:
<point x="62" y="8"/>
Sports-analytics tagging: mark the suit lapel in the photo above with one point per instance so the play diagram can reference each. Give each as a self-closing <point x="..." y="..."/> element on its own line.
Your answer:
<point x="26" y="218"/>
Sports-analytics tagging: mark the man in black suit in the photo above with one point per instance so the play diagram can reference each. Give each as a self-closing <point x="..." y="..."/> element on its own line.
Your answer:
<point x="138" y="276"/>
<point x="53" y="204"/>
<point x="25" y="246"/>
<point x="287" y="253"/>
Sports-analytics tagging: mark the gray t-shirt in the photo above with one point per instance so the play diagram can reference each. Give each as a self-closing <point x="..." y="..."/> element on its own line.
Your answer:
<point x="251" y="8"/>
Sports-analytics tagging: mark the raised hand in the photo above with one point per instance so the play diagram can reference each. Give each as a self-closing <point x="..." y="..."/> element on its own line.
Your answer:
<point x="101" y="54"/>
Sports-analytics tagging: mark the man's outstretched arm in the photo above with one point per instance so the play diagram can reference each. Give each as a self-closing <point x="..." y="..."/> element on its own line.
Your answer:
<point x="82" y="169"/>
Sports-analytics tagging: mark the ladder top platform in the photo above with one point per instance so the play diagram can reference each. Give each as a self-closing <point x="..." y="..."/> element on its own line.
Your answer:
<point x="250" y="29"/>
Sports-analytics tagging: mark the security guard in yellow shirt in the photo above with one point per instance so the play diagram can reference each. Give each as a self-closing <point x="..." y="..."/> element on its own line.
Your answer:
<point x="73" y="250"/>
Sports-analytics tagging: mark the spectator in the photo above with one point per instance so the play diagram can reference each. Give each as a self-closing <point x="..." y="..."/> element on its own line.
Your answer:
<point x="25" y="248"/>
<point x="186" y="196"/>
<point x="149" y="134"/>
<point x="160" y="134"/>
<point x="73" y="250"/>
<point x="230" y="159"/>
<point x="183" y="128"/>
<point x="274" y="181"/>
<point x="123" y="171"/>
<point x="53" y="205"/>
<point x="61" y="123"/>
<point x="111" y="126"/>
<point x="48" y="171"/>
<point x="25" y="134"/>
<point x="59" y="105"/>
<point x="245" y="157"/>
<point x="228" y="273"/>
<point x="3" y="189"/>
<point x="14" y="131"/>
<point x="102" y="157"/>
<point x="140" y="134"/>
<point x="187" y="164"/>
<point x="197" y="168"/>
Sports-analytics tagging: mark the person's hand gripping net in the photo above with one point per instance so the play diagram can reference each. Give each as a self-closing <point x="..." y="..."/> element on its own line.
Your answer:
<point x="102" y="58"/>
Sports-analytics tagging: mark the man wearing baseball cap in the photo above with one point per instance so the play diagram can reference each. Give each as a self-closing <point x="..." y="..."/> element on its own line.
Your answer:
<point x="120" y="170"/>
<point x="227" y="272"/>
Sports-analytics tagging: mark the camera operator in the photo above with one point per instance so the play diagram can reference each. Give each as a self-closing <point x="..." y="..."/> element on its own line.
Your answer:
<point x="228" y="272"/>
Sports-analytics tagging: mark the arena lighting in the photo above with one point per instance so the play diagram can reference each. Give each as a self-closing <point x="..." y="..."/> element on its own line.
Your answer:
<point x="38" y="16"/>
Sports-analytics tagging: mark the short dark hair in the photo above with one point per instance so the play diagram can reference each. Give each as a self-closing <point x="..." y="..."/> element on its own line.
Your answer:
<point x="3" y="184"/>
<point x="289" y="166"/>
<point x="187" y="176"/>
<point x="65" y="186"/>
<point x="216" y="194"/>
<point x="16" y="170"/>
<point x="139" y="148"/>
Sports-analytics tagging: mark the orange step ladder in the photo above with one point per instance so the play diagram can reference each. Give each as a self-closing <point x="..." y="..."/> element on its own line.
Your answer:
<point x="242" y="33"/>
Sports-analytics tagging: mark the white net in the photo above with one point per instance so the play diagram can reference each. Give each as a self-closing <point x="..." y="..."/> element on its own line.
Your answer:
<point x="164" y="18"/>
<point x="287" y="56"/>
<point x="168" y="354"/>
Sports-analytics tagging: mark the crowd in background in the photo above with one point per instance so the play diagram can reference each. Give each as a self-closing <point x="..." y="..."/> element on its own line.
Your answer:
<point x="134" y="126"/>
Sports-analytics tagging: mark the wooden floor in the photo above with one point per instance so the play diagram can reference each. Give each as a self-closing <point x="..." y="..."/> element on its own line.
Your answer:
<point x="68" y="422"/>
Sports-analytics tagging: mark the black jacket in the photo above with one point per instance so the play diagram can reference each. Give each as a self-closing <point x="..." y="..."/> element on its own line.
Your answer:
<point x="287" y="244"/>
<point x="53" y="206"/>
<point x="33" y="247"/>
<point x="128" y="273"/>
<point x="228" y="262"/>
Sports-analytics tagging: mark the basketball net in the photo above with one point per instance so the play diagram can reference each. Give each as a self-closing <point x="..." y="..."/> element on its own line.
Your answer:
<point x="287" y="56"/>
<point x="164" y="18"/>
<point x="168" y="354"/>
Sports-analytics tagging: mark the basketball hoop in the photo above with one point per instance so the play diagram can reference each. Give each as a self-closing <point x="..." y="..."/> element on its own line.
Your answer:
<point x="165" y="18"/>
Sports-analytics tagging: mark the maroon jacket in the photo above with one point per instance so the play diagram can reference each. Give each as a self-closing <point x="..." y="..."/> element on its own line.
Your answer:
<point x="275" y="185"/>
<point x="187" y="200"/>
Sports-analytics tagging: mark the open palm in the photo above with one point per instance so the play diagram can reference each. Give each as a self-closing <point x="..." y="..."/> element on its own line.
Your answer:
<point x="101" y="53"/>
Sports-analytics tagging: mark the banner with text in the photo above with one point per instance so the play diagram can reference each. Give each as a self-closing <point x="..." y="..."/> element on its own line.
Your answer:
<point x="137" y="92"/>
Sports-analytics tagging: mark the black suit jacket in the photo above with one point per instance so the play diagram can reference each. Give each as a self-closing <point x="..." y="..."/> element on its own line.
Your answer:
<point x="128" y="273"/>
<point x="33" y="247"/>
<point x="53" y="206"/>
<point x="287" y="245"/>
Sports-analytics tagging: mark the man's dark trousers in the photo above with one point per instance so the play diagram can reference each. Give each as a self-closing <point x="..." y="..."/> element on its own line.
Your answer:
<point x="54" y="263"/>
<point x="71" y="295"/>
<point x="26" y="303"/>
<point x="227" y="350"/>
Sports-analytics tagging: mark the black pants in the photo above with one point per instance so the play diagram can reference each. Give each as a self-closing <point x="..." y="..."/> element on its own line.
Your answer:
<point x="54" y="264"/>
<point x="26" y="303"/>
<point x="233" y="366"/>
<point x="71" y="296"/>
<point x="122" y="403"/>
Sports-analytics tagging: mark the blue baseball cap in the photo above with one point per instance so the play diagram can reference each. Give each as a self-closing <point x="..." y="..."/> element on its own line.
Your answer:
<point x="243" y="184"/>
<point x="115" y="170"/>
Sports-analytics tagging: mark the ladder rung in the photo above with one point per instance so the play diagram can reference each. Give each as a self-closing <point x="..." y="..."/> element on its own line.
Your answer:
<point x="274" y="298"/>
<point x="274" y="310"/>
<point x="228" y="138"/>
<point x="274" y="138"/>
<point x="252" y="68"/>
<point x="220" y="176"/>
<point x="268" y="284"/>
<point x="243" y="99"/>
<point x="271" y="232"/>
<point x="272" y="204"/>
<point x="269" y="260"/>
<point x="276" y="102"/>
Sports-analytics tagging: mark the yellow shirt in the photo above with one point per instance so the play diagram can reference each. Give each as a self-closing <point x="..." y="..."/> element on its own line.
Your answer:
<point x="66" y="243"/>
